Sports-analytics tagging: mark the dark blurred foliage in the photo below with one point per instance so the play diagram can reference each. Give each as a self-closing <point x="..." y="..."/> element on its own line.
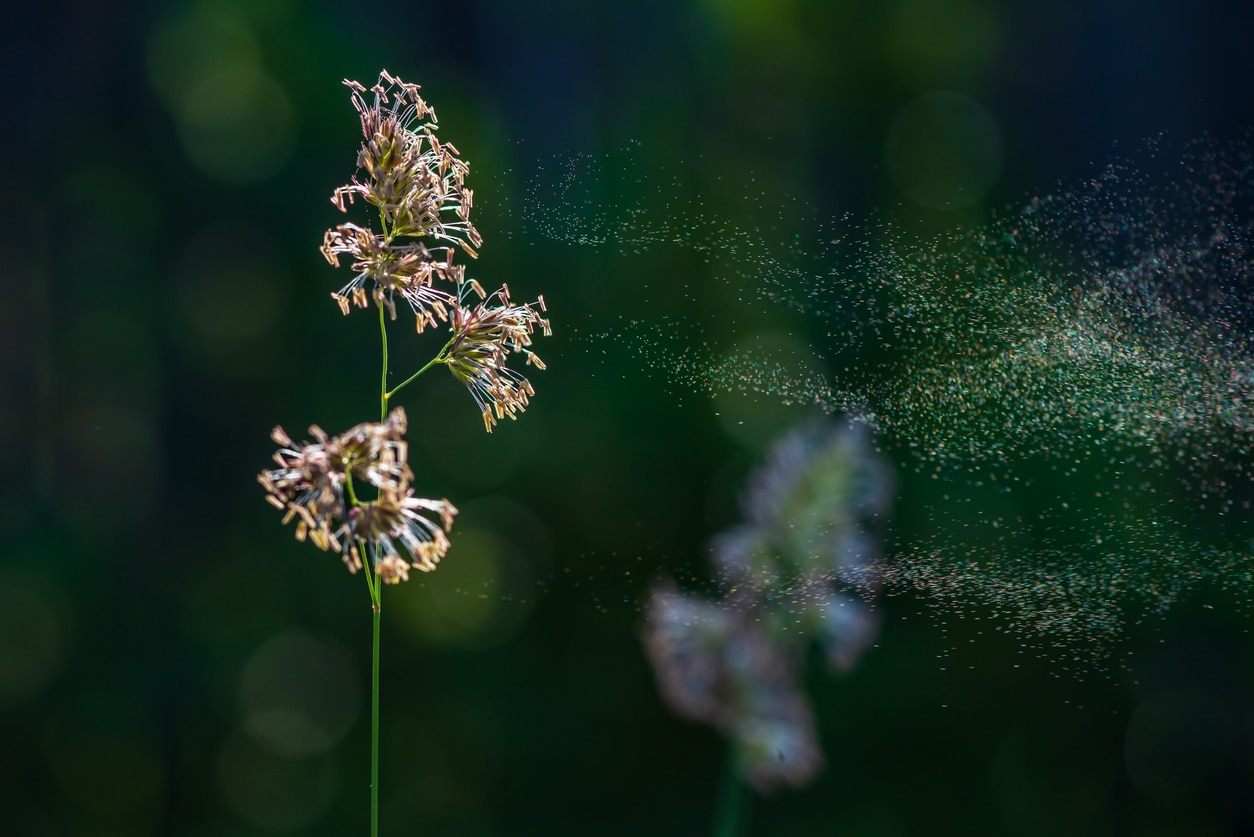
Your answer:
<point x="172" y="662"/>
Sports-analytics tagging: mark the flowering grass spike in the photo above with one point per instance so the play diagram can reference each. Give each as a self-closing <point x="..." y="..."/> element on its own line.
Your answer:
<point x="353" y="493"/>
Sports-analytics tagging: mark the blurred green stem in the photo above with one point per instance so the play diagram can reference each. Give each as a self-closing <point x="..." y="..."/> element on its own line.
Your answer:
<point x="731" y="803"/>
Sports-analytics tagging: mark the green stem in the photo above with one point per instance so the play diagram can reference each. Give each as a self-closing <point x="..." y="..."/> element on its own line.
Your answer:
<point x="376" y="606"/>
<point x="731" y="800"/>
<point x="439" y="358"/>
<point x="375" y="585"/>
<point x="372" y="580"/>
<point x="384" y="395"/>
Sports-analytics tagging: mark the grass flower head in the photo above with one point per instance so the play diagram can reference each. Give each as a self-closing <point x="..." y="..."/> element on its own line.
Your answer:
<point x="314" y="484"/>
<point x="417" y="184"/>
<point x="483" y="339"/>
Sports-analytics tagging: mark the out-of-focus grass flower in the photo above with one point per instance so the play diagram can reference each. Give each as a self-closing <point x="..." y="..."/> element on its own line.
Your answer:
<point x="735" y="661"/>
<point x="685" y="638"/>
<point x="776" y="741"/>
<point x="716" y="662"/>
<point x="808" y="507"/>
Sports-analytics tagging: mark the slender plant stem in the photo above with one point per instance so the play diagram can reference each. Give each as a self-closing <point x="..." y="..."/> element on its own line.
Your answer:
<point x="375" y="585"/>
<point x="372" y="580"/>
<point x="374" y="712"/>
<point x="384" y="395"/>
<point x="729" y="808"/>
<point x="437" y="359"/>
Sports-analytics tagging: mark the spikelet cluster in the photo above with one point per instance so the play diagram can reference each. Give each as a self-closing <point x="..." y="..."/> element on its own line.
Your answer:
<point x="314" y="484"/>
<point x="417" y="184"/>
<point x="484" y="337"/>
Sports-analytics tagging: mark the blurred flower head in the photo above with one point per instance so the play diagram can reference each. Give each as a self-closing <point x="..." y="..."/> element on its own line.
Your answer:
<point x="809" y="508"/>
<point x="313" y="479"/>
<point x="735" y="661"/>
<point x="775" y="739"/>
<point x="716" y="662"/>
<point x="685" y="637"/>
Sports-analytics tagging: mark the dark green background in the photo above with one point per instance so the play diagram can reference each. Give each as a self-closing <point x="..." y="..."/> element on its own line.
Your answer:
<point x="161" y="313"/>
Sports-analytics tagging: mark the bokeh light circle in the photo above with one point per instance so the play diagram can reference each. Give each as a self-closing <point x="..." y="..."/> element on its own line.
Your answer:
<point x="298" y="695"/>
<point x="944" y="151"/>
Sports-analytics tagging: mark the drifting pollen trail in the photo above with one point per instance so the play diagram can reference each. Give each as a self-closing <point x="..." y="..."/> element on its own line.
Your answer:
<point x="1077" y="374"/>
